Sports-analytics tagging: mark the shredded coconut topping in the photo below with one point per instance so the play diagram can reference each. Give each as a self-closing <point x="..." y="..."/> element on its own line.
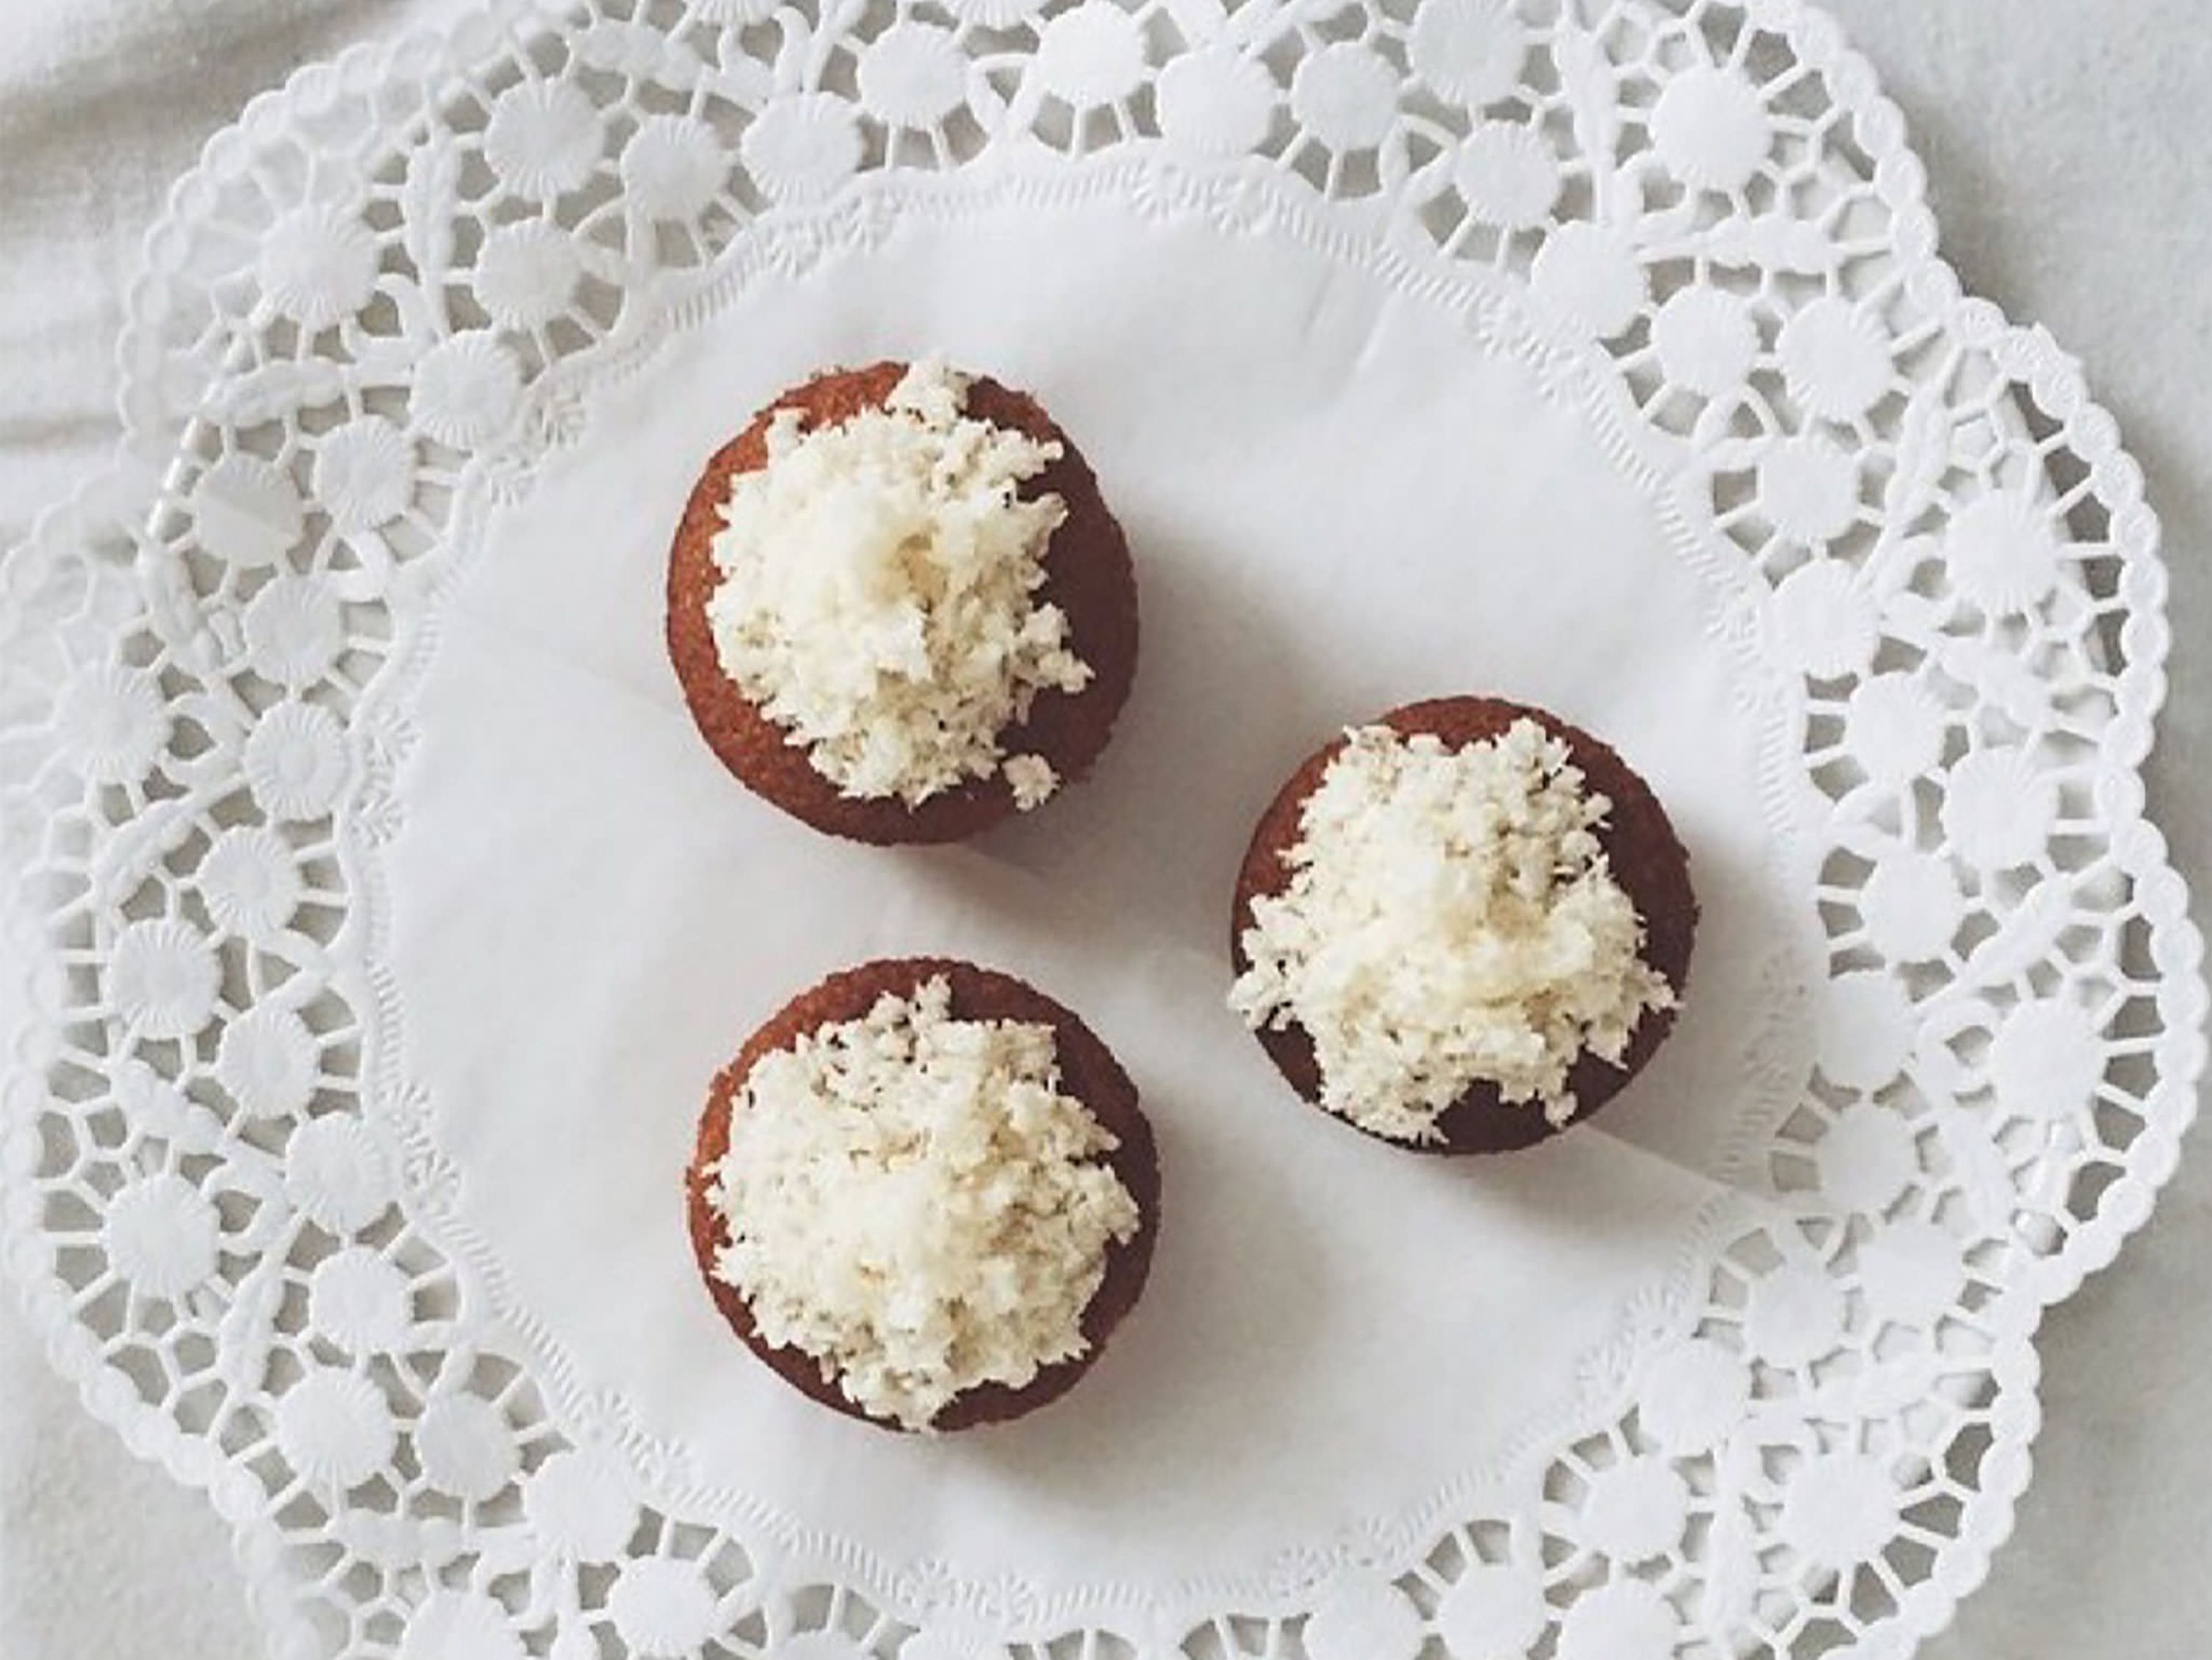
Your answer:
<point x="914" y="1201"/>
<point x="1031" y="779"/>
<point x="877" y="590"/>
<point x="1450" y="920"/>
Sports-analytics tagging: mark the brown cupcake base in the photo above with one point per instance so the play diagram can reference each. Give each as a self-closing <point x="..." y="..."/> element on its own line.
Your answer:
<point x="1089" y="1072"/>
<point x="1648" y="861"/>
<point x="1087" y="574"/>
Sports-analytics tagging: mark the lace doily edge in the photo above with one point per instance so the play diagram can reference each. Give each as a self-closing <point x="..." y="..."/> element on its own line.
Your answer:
<point x="106" y="500"/>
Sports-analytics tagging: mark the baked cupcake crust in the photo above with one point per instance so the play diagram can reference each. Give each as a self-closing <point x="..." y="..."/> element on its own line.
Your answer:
<point x="1648" y="861"/>
<point x="1088" y="1071"/>
<point x="1088" y="575"/>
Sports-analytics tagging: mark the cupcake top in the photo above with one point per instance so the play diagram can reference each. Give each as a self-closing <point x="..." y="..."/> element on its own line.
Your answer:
<point x="916" y="1201"/>
<point x="877" y="594"/>
<point x="1450" y="920"/>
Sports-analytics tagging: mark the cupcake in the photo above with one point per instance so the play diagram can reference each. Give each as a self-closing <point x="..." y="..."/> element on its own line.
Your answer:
<point x="924" y="1193"/>
<point x="898" y="606"/>
<point x="1464" y="927"/>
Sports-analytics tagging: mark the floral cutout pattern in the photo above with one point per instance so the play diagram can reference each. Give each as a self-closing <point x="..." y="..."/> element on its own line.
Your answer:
<point x="352" y="314"/>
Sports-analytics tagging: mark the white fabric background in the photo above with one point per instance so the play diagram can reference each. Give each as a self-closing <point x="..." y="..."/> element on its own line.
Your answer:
<point x="2064" y="152"/>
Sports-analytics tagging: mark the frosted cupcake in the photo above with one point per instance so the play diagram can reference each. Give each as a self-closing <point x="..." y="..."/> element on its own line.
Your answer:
<point x="925" y="1194"/>
<point x="898" y="606"/>
<point x="1463" y="928"/>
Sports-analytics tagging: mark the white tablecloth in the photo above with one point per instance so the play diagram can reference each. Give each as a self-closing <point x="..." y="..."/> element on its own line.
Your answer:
<point x="2064" y="149"/>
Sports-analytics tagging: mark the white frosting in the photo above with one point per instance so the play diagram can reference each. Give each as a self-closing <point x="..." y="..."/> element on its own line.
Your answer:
<point x="1450" y="919"/>
<point x="914" y="1201"/>
<point x="877" y="590"/>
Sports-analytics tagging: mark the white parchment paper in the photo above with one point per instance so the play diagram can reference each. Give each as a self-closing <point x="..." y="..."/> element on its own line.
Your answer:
<point x="1339" y="497"/>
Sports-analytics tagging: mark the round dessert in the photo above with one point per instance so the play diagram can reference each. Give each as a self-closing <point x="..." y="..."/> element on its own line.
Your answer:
<point x="898" y="606"/>
<point x="925" y="1194"/>
<point x="1463" y="928"/>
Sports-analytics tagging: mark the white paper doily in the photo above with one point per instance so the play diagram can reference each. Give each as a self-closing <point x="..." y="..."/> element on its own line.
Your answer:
<point x="381" y="916"/>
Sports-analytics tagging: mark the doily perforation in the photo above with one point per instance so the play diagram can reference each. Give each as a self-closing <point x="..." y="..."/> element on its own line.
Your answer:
<point x="381" y="299"/>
